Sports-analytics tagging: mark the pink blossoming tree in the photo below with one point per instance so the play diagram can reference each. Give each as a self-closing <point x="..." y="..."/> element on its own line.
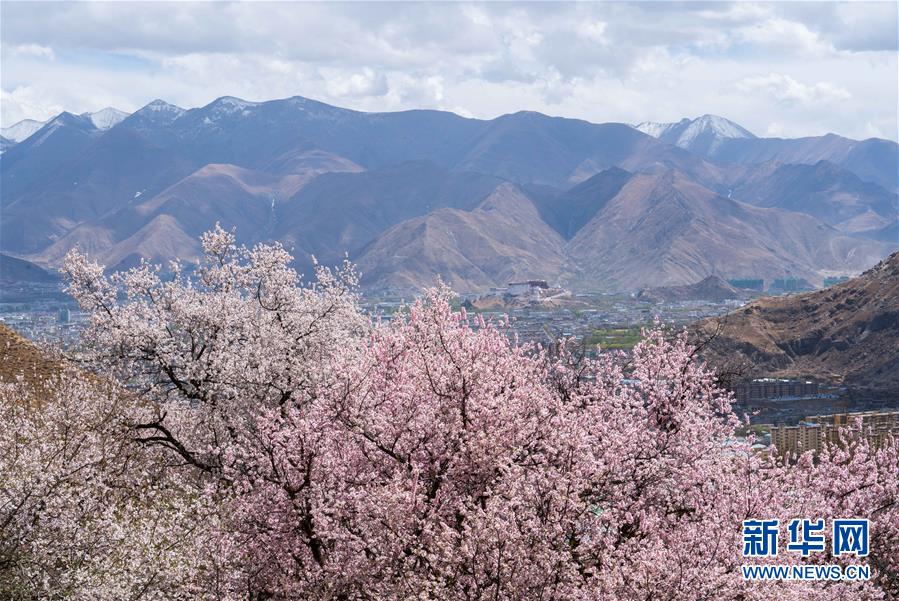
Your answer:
<point x="87" y="514"/>
<point x="430" y="457"/>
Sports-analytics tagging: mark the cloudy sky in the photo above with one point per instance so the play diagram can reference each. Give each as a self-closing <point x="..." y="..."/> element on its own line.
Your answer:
<point x="779" y="69"/>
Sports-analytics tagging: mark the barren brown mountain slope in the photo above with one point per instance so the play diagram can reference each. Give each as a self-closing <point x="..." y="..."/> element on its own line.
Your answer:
<point x="664" y="229"/>
<point x="847" y="333"/>
<point x="168" y="224"/>
<point x="502" y="239"/>
<point x="19" y="357"/>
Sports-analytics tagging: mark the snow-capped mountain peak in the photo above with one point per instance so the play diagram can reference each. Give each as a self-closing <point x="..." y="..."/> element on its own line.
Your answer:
<point x="156" y="113"/>
<point x="657" y="130"/>
<point x="225" y="107"/>
<point x="106" y="118"/>
<point x="161" y="106"/>
<point x="720" y="126"/>
<point x="22" y="130"/>
<point x="63" y="120"/>
<point x="231" y="103"/>
<point x="704" y="133"/>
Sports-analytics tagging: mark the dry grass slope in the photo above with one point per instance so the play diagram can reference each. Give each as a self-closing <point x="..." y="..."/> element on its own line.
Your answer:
<point x="848" y="332"/>
<point x="19" y="357"/>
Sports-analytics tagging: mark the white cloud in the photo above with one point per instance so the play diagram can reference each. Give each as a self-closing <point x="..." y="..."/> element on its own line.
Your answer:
<point x="33" y="50"/>
<point x="784" y="89"/>
<point x="25" y="102"/>
<point x="805" y="66"/>
<point x="779" y="35"/>
<point x="361" y="84"/>
<point x="593" y="31"/>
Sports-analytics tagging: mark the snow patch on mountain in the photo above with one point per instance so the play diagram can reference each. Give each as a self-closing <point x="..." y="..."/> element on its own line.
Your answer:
<point x="24" y="129"/>
<point x="106" y="118"/>
<point x="158" y="113"/>
<point x="161" y="106"/>
<point x="657" y="130"/>
<point x="721" y="127"/>
<point x="232" y="104"/>
<point x="708" y="130"/>
<point x="17" y="132"/>
<point x="225" y="107"/>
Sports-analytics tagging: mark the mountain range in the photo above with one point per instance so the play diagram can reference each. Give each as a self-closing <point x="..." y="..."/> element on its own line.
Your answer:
<point x="415" y="194"/>
<point x="102" y="119"/>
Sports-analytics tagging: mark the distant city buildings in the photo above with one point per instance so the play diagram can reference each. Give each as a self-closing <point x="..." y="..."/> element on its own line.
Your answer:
<point x="756" y="284"/>
<point x="781" y="285"/>
<point x="836" y="280"/>
<point x="775" y="388"/>
<point x="812" y="433"/>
